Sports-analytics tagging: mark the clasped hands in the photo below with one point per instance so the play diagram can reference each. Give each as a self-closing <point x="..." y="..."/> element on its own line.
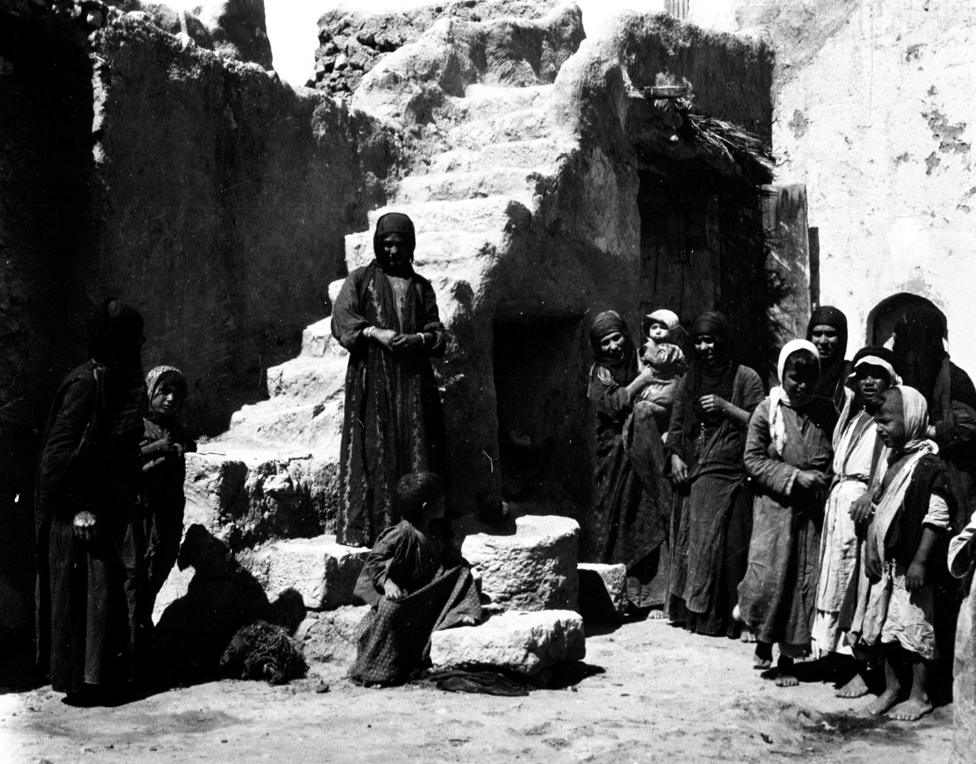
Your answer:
<point x="397" y="342"/>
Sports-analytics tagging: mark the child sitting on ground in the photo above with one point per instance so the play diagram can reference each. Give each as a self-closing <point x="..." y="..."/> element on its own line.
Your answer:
<point x="788" y="454"/>
<point x="163" y="472"/>
<point x="417" y="582"/>
<point x="912" y="507"/>
<point x="663" y="357"/>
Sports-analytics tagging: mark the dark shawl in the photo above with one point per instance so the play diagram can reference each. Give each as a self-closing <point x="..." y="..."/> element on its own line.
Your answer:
<point x="833" y="375"/>
<point x="393" y="423"/>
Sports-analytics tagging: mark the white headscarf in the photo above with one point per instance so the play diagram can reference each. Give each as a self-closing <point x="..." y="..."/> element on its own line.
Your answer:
<point x="915" y="412"/>
<point x="778" y="396"/>
<point x="667" y="317"/>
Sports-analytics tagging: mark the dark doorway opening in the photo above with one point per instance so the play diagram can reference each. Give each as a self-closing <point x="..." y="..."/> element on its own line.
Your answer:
<point x="887" y="313"/>
<point x="540" y="369"/>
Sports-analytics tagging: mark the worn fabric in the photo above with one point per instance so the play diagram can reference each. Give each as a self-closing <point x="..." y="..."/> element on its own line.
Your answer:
<point x="777" y="596"/>
<point x="778" y="398"/>
<point x="833" y="375"/>
<point x="711" y="522"/>
<point x="392" y="421"/>
<point x="94" y="591"/>
<point x="394" y="637"/>
<point x="857" y="452"/>
<point x="910" y="617"/>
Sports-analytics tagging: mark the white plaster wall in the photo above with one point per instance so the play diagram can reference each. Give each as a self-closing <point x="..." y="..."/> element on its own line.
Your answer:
<point x="879" y="124"/>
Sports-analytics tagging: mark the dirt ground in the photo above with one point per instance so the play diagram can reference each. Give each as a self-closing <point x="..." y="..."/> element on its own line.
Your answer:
<point x="646" y="692"/>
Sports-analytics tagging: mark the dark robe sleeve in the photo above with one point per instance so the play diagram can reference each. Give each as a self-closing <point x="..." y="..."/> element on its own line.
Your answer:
<point x="676" y="426"/>
<point x="610" y="398"/>
<point x="348" y="320"/>
<point x="63" y="449"/>
<point x="956" y="428"/>
<point x="369" y="585"/>
<point x="773" y="475"/>
<point x="432" y="320"/>
<point x="752" y="393"/>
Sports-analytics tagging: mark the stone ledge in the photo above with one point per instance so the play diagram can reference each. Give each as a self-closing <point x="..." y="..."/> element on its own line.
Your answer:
<point x="526" y="643"/>
<point x="602" y="591"/>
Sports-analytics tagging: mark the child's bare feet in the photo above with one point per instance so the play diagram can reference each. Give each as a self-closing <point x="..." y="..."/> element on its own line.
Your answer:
<point x="468" y="620"/>
<point x="747" y="636"/>
<point x="785" y="673"/>
<point x="855" y="688"/>
<point x="882" y="703"/>
<point x="910" y="710"/>
<point x="762" y="659"/>
<point x="656" y="615"/>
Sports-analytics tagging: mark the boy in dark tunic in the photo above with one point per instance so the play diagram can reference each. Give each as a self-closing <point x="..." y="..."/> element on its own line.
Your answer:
<point x="163" y="472"/>
<point x="386" y="317"/>
<point x="417" y="582"/>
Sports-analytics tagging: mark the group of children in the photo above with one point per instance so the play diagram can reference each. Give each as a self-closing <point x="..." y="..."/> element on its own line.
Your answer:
<point x="851" y="523"/>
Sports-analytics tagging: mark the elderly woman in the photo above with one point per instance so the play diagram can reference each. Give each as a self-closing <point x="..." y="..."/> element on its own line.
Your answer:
<point x="857" y="453"/>
<point x="386" y="317"/>
<point x="827" y="330"/>
<point x="88" y="531"/>
<point x="627" y="524"/>
<point x="706" y="439"/>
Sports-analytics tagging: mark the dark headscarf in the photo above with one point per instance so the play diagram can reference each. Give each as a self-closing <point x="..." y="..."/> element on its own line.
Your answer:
<point x="393" y="222"/>
<point x="114" y="333"/>
<point x="919" y="348"/>
<point x="608" y="322"/>
<point x="717" y="377"/>
<point x="833" y="373"/>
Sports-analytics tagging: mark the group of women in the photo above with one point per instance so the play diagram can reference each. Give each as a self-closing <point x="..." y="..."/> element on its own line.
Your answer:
<point x="699" y="535"/>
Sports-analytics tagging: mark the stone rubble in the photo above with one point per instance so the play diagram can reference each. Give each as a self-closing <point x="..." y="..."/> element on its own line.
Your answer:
<point x="602" y="591"/>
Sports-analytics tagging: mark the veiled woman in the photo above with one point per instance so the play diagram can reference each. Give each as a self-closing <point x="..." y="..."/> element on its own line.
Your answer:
<point x="711" y="528"/>
<point x="386" y="317"/>
<point x="91" y="579"/>
<point x="628" y="521"/>
<point x="827" y="330"/>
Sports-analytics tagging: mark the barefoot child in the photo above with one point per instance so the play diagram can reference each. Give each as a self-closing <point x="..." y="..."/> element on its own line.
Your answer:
<point x="787" y="454"/>
<point x="163" y="471"/>
<point x="665" y="360"/>
<point x="911" y="518"/>
<point x="417" y="582"/>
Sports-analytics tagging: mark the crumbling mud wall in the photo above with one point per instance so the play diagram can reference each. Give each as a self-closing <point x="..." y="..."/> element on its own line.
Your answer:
<point x="875" y="117"/>
<point x="223" y="197"/>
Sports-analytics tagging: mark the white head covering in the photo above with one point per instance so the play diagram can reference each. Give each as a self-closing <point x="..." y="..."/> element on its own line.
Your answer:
<point x="667" y="317"/>
<point x="915" y="412"/>
<point x="881" y="363"/>
<point x="778" y="396"/>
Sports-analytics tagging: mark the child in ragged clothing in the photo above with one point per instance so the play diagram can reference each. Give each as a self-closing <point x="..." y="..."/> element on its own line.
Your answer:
<point x="164" y="443"/>
<point x="788" y="454"/>
<point x="664" y="358"/>
<point x="417" y="582"/>
<point x="912" y="510"/>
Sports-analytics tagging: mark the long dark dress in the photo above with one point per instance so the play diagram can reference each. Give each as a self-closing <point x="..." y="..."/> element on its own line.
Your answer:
<point x="777" y="596"/>
<point x="393" y="423"/>
<point x="91" y="462"/>
<point x="713" y="520"/>
<point x="628" y="523"/>
<point x="394" y="636"/>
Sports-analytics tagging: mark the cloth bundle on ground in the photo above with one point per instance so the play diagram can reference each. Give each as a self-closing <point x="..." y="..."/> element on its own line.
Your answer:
<point x="262" y="650"/>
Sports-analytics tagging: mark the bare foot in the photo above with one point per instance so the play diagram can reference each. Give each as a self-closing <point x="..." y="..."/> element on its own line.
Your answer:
<point x="747" y="636"/>
<point x="910" y="710"/>
<point x="760" y="663"/>
<point x="468" y="620"/>
<point x="656" y="615"/>
<point x="882" y="703"/>
<point x="855" y="688"/>
<point x="786" y="680"/>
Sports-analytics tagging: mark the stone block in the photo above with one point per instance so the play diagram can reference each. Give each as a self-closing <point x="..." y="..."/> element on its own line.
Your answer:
<point x="331" y="636"/>
<point x="602" y="591"/>
<point x="321" y="570"/>
<point x="533" y="569"/>
<point x="526" y="643"/>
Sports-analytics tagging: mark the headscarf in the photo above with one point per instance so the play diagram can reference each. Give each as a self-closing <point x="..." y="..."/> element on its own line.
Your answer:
<point x="160" y="374"/>
<point x="915" y="412"/>
<point x="608" y="322"/>
<point x="115" y="342"/>
<point x="778" y="396"/>
<point x="393" y="222"/>
<point x="880" y="357"/>
<point x="919" y="348"/>
<point x="831" y="372"/>
<point x="717" y="377"/>
<point x="114" y="333"/>
<point x="667" y="317"/>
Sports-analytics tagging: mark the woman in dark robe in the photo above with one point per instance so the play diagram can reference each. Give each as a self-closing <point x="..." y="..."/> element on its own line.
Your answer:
<point x="628" y="523"/>
<point x="713" y="518"/>
<point x="386" y="317"/>
<point x="827" y="330"/>
<point x="90" y="540"/>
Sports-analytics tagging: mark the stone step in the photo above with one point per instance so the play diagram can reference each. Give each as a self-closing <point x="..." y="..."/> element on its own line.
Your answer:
<point x="321" y="570"/>
<point x="602" y="591"/>
<point x="534" y="152"/>
<point x="317" y="339"/>
<point x="525" y="643"/>
<point x="486" y="214"/>
<point x="533" y="569"/>
<point x="517" y="183"/>
<point x="309" y="378"/>
<point x="507" y="126"/>
<point x="481" y="101"/>
<point x="308" y="423"/>
<point x="331" y="636"/>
